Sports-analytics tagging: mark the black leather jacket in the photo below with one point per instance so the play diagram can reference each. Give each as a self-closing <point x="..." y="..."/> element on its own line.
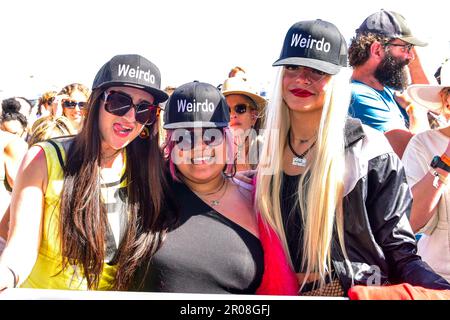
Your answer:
<point x="379" y="241"/>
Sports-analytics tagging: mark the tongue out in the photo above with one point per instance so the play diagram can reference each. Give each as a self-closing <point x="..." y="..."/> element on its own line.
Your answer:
<point x="120" y="130"/>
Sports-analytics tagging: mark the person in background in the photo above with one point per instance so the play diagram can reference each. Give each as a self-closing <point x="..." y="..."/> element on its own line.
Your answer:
<point x="12" y="150"/>
<point x="237" y="72"/>
<point x="45" y="104"/>
<point x="74" y="103"/>
<point x="246" y="118"/>
<point x="86" y="209"/>
<point x="331" y="187"/>
<point x="427" y="165"/>
<point x="383" y="56"/>
<point x="12" y="120"/>
<point x="217" y="246"/>
<point x="50" y="127"/>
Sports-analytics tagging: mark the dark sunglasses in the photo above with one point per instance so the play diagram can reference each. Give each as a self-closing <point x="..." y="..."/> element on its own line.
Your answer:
<point x="50" y="100"/>
<point x="72" y="104"/>
<point x="119" y="103"/>
<point x="185" y="139"/>
<point x="240" y="108"/>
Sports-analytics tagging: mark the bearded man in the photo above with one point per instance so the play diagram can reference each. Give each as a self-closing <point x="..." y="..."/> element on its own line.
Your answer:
<point x="384" y="60"/>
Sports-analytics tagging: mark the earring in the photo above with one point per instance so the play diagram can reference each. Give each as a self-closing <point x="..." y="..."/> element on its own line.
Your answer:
<point x="145" y="133"/>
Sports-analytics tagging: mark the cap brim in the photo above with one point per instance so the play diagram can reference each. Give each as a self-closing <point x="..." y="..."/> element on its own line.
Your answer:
<point x="427" y="96"/>
<point x="159" y="95"/>
<point x="260" y="101"/>
<point x="195" y="124"/>
<point x="312" y="63"/>
<point x="414" y="41"/>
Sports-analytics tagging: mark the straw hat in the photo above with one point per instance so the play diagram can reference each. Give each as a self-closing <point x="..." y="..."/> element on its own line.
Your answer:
<point x="428" y="95"/>
<point x="239" y="85"/>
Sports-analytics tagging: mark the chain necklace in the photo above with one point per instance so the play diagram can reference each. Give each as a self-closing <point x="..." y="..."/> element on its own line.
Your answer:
<point x="299" y="160"/>
<point x="214" y="202"/>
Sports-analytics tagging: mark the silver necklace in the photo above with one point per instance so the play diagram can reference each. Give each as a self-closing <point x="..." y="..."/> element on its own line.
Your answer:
<point x="299" y="160"/>
<point x="214" y="202"/>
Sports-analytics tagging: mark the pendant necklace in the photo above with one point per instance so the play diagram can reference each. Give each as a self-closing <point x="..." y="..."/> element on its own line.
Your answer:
<point x="299" y="160"/>
<point x="215" y="202"/>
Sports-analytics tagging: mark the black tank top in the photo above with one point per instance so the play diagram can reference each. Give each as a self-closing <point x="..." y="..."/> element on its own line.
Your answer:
<point x="291" y="215"/>
<point x="205" y="253"/>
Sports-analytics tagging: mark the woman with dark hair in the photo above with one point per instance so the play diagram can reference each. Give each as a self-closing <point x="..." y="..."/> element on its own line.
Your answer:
<point x="218" y="245"/>
<point x="86" y="209"/>
<point x="11" y="119"/>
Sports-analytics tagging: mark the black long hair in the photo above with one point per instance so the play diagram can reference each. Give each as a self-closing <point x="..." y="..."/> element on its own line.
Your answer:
<point x="83" y="221"/>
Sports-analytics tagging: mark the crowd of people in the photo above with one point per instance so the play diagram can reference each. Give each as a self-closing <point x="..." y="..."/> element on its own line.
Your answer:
<point x="337" y="183"/>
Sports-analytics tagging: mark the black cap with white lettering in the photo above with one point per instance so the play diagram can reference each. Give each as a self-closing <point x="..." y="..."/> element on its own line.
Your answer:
<point x="131" y="70"/>
<point x="196" y="105"/>
<point x="316" y="44"/>
<point x="391" y="24"/>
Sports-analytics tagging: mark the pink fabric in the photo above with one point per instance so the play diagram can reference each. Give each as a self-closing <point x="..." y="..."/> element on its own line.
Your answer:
<point x="403" y="291"/>
<point x="278" y="277"/>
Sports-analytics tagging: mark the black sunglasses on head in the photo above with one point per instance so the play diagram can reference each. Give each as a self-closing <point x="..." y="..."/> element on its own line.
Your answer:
<point x="119" y="103"/>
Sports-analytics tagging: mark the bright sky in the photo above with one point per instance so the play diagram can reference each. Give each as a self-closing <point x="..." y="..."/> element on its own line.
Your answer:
<point x="47" y="44"/>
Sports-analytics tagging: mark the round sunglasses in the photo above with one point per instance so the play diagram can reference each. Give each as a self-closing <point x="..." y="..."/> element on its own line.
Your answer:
<point x="119" y="103"/>
<point x="185" y="139"/>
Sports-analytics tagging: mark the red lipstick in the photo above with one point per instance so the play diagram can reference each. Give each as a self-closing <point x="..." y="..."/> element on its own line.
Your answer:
<point x="301" y="93"/>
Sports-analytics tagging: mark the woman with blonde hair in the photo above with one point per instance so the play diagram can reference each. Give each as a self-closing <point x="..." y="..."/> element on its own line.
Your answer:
<point x="332" y="188"/>
<point x="74" y="99"/>
<point x="246" y="120"/>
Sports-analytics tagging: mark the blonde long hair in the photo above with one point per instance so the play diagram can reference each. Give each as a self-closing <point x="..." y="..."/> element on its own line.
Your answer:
<point x="321" y="202"/>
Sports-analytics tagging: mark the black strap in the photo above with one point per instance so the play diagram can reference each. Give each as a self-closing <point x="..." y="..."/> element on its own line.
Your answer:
<point x="58" y="152"/>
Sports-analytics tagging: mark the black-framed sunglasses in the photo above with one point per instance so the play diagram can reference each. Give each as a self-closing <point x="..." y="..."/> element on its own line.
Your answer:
<point x="240" y="108"/>
<point x="72" y="104"/>
<point x="119" y="103"/>
<point x="407" y="47"/>
<point x="50" y="100"/>
<point x="185" y="139"/>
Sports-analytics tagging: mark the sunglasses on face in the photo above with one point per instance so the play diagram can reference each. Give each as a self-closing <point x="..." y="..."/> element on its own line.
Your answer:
<point x="72" y="104"/>
<point x="186" y="139"/>
<point x="119" y="103"/>
<point x="406" y="48"/>
<point x="50" y="100"/>
<point x="240" y="108"/>
<point x="309" y="73"/>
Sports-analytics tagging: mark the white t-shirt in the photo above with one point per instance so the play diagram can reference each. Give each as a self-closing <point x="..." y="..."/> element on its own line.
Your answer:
<point x="434" y="245"/>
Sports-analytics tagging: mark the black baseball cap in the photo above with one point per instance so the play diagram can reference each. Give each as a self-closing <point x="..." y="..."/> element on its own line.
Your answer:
<point x="196" y="104"/>
<point x="316" y="44"/>
<point x="131" y="70"/>
<point x="390" y="24"/>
